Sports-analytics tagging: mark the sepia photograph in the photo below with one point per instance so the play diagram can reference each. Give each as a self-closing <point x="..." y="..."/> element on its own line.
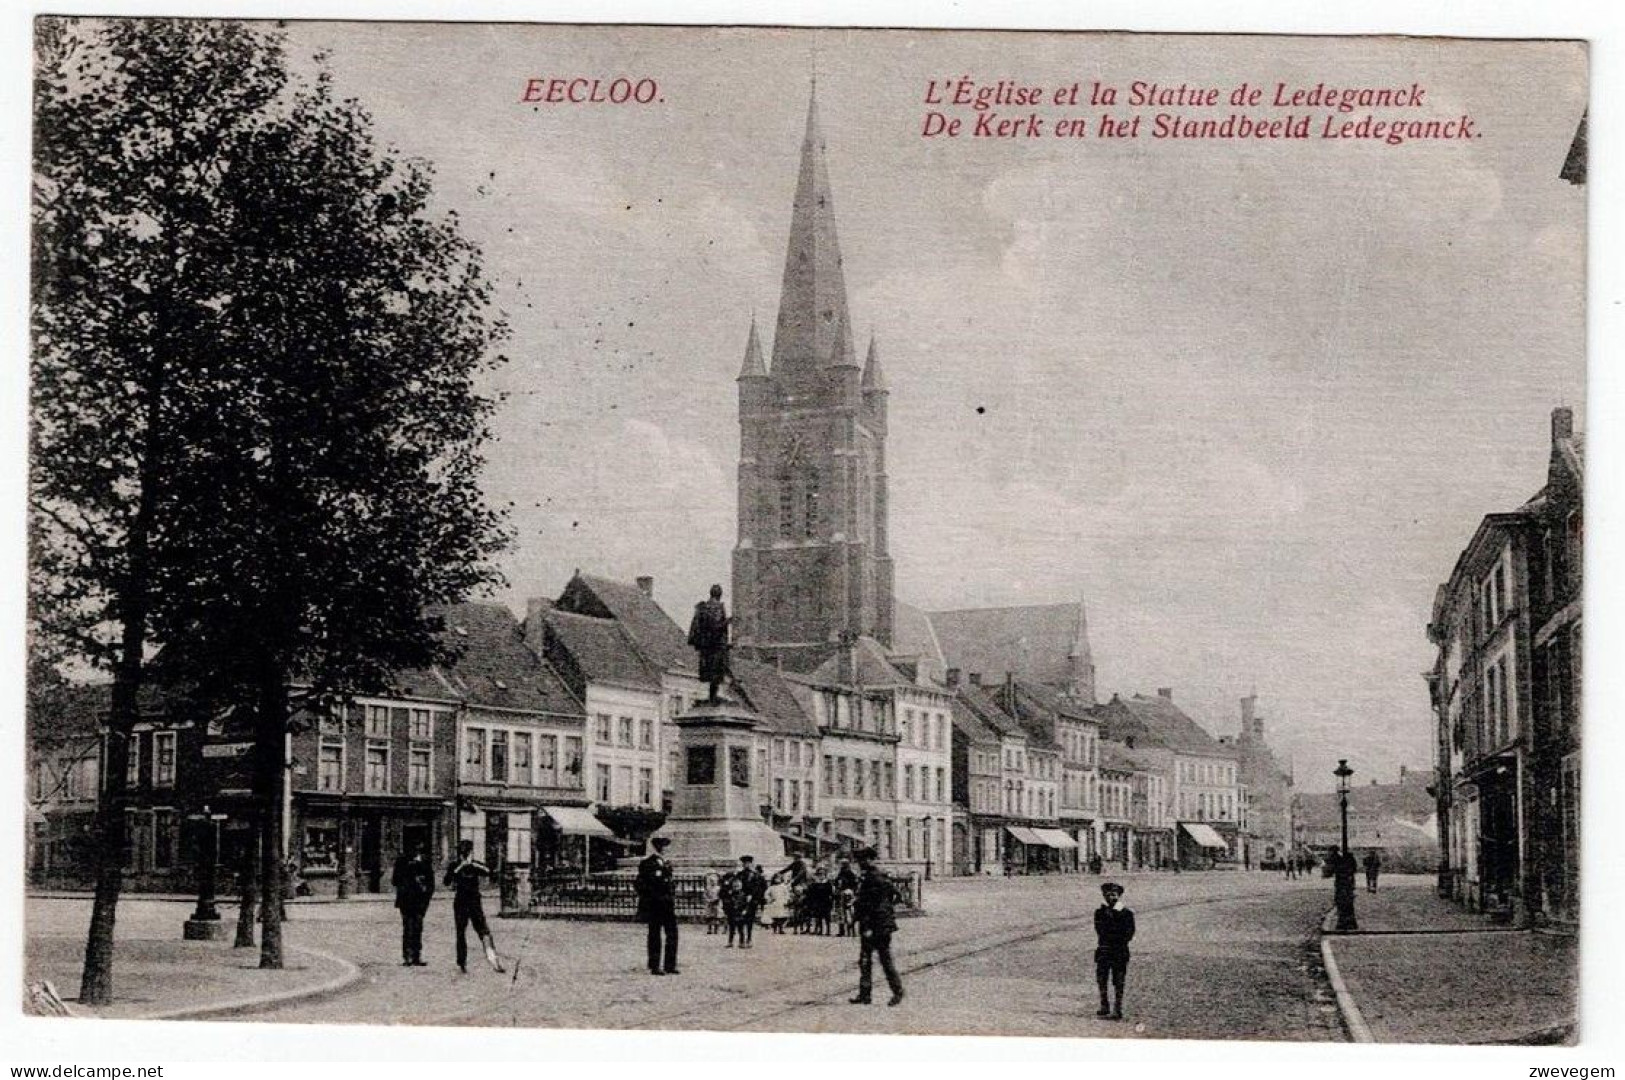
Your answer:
<point x="1064" y="535"/>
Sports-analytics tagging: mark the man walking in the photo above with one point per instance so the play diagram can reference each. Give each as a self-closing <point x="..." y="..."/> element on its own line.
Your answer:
<point x="414" y="885"/>
<point x="1114" y="929"/>
<point x="656" y="887"/>
<point x="876" y="916"/>
<point x="466" y="906"/>
<point x="1373" y="866"/>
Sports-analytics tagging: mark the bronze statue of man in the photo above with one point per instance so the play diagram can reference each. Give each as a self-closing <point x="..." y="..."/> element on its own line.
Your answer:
<point x="708" y="634"/>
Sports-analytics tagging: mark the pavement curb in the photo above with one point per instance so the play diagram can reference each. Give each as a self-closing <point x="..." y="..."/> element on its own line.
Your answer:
<point x="1347" y="1007"/>
<point x="349" y="975"/>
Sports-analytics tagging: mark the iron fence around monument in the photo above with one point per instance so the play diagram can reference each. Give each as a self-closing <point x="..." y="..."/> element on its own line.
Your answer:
<point x="614" y="898"/>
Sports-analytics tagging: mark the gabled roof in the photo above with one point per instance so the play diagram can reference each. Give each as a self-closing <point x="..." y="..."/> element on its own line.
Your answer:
<point x="872" y="667"/>
<point x="68" y="711"/>
<point x="1159" y="721"/>
<point x="913" y="635"/>
<point x="1114" y="755"/>
<point x="987" y="709"/>
<point x="663" y="643"/>
<point x="597" y="650"/>
<point x="1036" y="642"/>
<point x="773" y="698"/>
<point x="969" y="724"/>
<point x="496" y="667"/>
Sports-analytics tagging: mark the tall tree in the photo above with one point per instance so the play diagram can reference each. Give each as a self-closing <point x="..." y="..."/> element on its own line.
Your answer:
<point x="257" y="429"/>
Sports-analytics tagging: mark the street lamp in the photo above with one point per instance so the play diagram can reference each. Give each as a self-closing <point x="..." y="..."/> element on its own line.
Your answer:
<point x="1343" y="865"/>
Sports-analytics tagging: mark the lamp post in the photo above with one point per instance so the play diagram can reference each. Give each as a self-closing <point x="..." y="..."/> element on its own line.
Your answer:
<point x="1343" y="866"/>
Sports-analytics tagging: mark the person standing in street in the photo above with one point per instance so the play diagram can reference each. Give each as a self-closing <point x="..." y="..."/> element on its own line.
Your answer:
<point x="414" y="886"/>
<point x="467" y="908"/>
<point x="656" y="887"/>
<point x="1373" y="866"/>
<point x="876" y="916"/>
<point x="1114" y="929"/>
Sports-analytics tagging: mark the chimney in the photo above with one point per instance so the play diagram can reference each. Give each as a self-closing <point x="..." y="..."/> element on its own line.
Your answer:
<point x="1010" y="692"/>
<point x="646" y="586"/>
<point x="1562" y="424"/>
<point x="1248" y="704"/>
<point x="976" y="678"/>
<point x="1166" y="693"/>
<point x="536" y="609"/>
<point x="953" y="678"/>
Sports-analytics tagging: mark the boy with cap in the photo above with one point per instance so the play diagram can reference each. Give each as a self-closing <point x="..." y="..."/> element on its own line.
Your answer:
<point x="1114" y="929"/>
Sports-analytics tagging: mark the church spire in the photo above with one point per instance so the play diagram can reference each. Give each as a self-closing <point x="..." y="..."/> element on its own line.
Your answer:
<point x="753" y="368"/>
<point x="874" y="380"/>
<point x="813" y="324"/>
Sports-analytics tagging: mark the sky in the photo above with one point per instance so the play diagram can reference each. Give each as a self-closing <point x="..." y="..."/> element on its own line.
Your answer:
<point x="1246" y="401"/>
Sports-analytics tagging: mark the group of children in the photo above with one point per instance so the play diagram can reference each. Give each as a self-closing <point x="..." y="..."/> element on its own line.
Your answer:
<point x="815" y="901"/>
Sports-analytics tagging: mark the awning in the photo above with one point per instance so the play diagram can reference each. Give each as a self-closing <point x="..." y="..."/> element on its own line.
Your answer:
<point x="1026" y="836"/>
<point x="1055" y="838"/>
<point x="800" y="840"/>
<point x="1203" y="834"/>
<point x="576" y="821"/>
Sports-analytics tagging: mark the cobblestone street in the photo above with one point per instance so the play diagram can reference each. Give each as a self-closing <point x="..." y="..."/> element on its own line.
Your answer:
<point x="1224" y="955"/>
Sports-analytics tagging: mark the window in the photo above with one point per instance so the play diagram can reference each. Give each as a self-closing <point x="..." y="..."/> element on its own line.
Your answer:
<point x="499" y="757"/>
<point x="623" y="786"/>
<point x="787" y="505"/>
<point x="547" y="759"/>
<point x="377" y="722"/>
<point x="646" y="733"/>
<point x="908" y="781"/>
<point x="778" y="792"/>
<point x="422" y="725"/>
<point x="165" y="834"/>
<point x="521" y="757"/>
<point x="474" y="753"/>
<point x="132" y="768"/>
<point x="601" y="772"/>
<point x="858" y="775"/>
<point x="572" y="757"/>
<point x="377" y="768"/>
<point x="163" y="758"/>
<point x="840" y="775"/>
<point x="331" y="722"/>
<point x="941" y="788"/>
<point x="874" y="778"/>
<point x="829" y="775"/>
<point x="330" y="767"/>
<point x="646" y="787"/>
<point x="418" y="771"/>
<point x="795" y="796"/>
<point x="623" y="731"/>
<point x="809" y="504"/>
<point x="603" y="729"/>
<point x="891" y="781"/>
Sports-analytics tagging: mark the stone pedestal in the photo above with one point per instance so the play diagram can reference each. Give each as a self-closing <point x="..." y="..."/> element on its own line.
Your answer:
<point x="205" y="930"/>
<point x="716" y="815"/>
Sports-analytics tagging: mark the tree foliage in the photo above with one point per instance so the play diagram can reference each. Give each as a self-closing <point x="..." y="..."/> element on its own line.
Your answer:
<point x="256" y="416"/>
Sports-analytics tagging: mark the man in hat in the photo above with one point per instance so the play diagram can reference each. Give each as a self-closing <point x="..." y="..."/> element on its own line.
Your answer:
<point x="1114" y="929"/>
<point x="467" y="908"/>
<point x="656" y="887"/>
<point x="414" y="887"/>
<point x="877" y="921"/>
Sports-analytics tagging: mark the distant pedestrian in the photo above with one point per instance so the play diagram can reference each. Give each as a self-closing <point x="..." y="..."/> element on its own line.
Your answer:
<point x="750" y="888"/>
<point x="467" y="908"/>
<point x="1373" y="866"/>
<point x="776" y="904"/>
<point x="656" y="887"/>
<point x="414" y="886"/>
<point x="820" y="901"/>
<point x="876" y="915"/>
<point x="712" y="894"/>
<point x="1114" y="929"/>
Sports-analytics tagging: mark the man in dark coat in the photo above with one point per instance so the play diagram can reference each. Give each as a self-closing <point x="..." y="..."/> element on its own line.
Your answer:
<point x="877" y="922"/>
<point x="708" y="634"/>
<point x="414" y="886"/>
<point x="657" y="905"/>
<point x="467" y="908"/>
<point x="1373" y="866"/>
<point x="1114" y="929"/>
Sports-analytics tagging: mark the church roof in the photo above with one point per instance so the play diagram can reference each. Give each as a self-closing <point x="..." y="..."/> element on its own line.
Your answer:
<point x="753" y="367"/>
<point x="913" y="637"/>
<point x="813" y="324"/>
<point x="1036" y="642"/>
<point x="874" y="380"/>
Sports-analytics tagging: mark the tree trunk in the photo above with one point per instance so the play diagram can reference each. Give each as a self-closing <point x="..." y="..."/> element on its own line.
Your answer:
<point x="271" y="735"/>
<point x="247" y="888"/>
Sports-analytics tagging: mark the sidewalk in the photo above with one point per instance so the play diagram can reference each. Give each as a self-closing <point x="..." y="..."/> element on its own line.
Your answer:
<point x="1422" y="970"/>
<point x="218" y="980"/>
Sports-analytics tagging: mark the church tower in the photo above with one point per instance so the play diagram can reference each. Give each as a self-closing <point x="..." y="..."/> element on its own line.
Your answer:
<point x="811" y="565"/>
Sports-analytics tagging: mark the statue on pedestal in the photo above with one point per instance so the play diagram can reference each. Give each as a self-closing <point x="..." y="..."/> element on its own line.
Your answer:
<point x="708" y="635"/>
